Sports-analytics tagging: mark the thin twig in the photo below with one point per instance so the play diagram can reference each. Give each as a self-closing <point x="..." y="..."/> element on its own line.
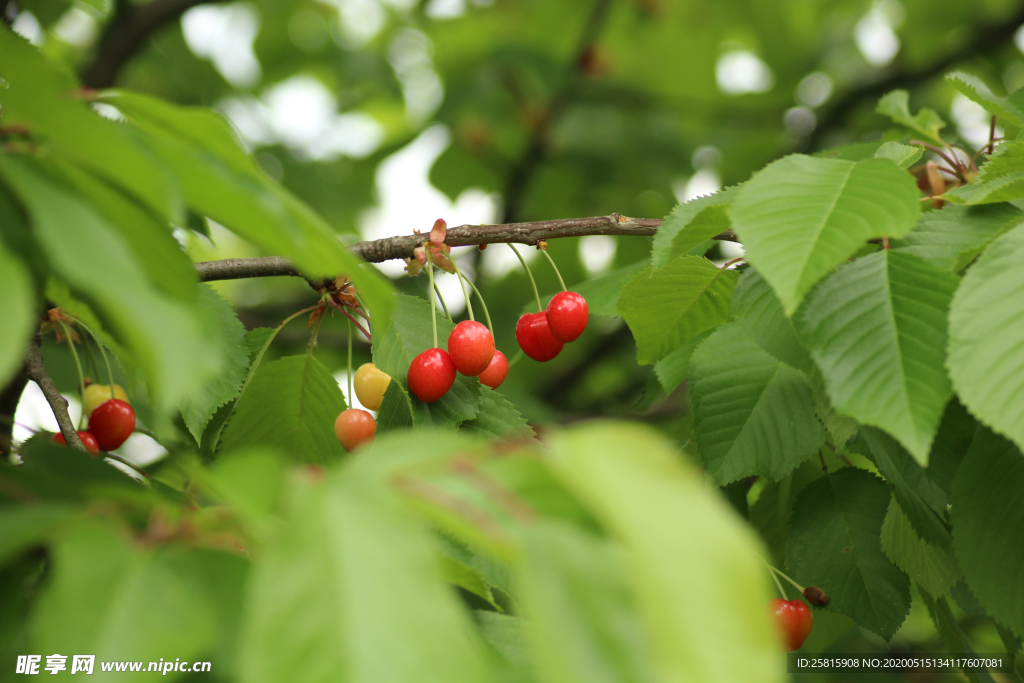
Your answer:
<point x="58" y="404"/>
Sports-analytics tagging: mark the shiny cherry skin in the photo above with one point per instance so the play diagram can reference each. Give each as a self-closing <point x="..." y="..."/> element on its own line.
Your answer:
<point x="471" y="347"/>
<point x="793" y="619"/>
<point x="354" y="428"/>
<point x="496" y="372"/>
<point x="112" y="423"/>
<point x="567" y="316"/>
<point x="370" y="384"/>
<point x="535" y="338"/>
<point x="88" y="440"/>
<point x="97" y="394"/>
<point x="431" y="375"/>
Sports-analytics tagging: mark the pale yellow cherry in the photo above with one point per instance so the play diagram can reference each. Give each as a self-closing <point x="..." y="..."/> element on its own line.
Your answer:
<point x="97" y="394"/>
<point x="370" y="385"/>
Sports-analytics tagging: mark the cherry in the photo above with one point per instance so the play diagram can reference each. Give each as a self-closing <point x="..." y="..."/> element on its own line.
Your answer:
<point x="567" y="316"/>
<point x="431" y="375"/>
<point x="471" y="347"/>
<point x="96" y="394"/>
<point x="794" y="621"/>
<point x="112" y="423"/>
<point x="88" y="440"/>
<point x="354" y="428"/>
<point x="370" y="385"/>
<point x="535" y="338"/>
<point x="496" y="372"/>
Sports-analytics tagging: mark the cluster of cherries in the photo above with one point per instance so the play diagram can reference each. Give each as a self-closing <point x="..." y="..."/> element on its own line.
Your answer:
<point x="355" y="427"/>
<point x="111" y="418"/>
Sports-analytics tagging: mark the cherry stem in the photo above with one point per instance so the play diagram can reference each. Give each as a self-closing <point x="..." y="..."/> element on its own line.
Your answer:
<point x="129" y="464"/>
<point x="991" y="137"/>
<point x="433" y="304"/>
<point x="312" y="337"/>
<point x="778" y="585"/>
<point x="351" y="403"/>
<point x="444" y="306"/>
<point x="536" y="294"/>
<point x="783" y="575"/>
<point x="552" y="262"/>
<point x="487" y="313"/>
<point x="465" y="293"/>
<point x="516" y="358"/>
<point x="78" y="367"/>
<point x="735" y="260"/>
<point x="106" y="361"/>
<point x="932" y="148"/>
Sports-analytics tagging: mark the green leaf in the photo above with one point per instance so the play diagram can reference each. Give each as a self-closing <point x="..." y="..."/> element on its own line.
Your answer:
<point x="461" y="403"/>
<point x="934" y="568"/>
<point x="41" y="97"/>
<point x="498" y="418"/>
<point x="395" y="409"/>
<point x="290" y="405"/>
<point x="1000" y="179"/>
<point x="953" y="636"/>
<point x="353" y="575"/>
<point x="673" y="368"/>
<point x="988" y="523"/>
<point x="693" y="566"/>
<point x="926" y="124"/>
<point x="920" y="498"/>
<point x="800" y="217"/>
<point x="408" y="335"/>
<point x="840" y="427"/>
<point x="760" y="313"/>
<point x="954" y="236"/>
<point x="508" y="636"/>
<point x="856" y="151"/>
<point x="24" y="526"/>
<point x="173" y="343"/>
<point x="18" y="309"/>
<point x="877" y="330"/>
<point x="679" y="219"/>
<point x="834" y="544"/>
<point x="902" y="155"/>
<point x="956" y="432"/>
<point x="603" y="292"/>
<point x="667" y="307"/>
<point x="109" y="598"/>
<point x="218" y="180"/>
<point x="581" y="619"/>
<point x="497" y="574"/>
<point x="975" y="90"/>
<point x="710" y="221"/>
<point x="753" y="414"/>
<point x="466" y="578"/>
<point x="986" y="323"/>
<point x="198" y="407"/>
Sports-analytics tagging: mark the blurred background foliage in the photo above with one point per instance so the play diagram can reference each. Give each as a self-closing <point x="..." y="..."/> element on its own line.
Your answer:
<point x="386" y="114"/>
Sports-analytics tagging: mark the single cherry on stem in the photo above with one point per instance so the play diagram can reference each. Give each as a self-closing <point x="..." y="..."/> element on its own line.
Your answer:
<point x="496" y="372"/>
<point x="431" y="375"/>
<point x="354" y="428"/>
<point x="567" y="316"/>
<point x="471" y="347"/>
<point x="112" y="423"/>
<point x="535" y="338"/>
<point x="793" y="619"/>
<point x="88" y="440"/>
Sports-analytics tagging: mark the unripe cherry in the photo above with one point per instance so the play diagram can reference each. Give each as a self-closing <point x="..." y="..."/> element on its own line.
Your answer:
<point x="496" y="372"/>
<point x="567" y="316"/>
<point x="112" y="423"/>
<point x="370" y="384"/>
<point x="431" y="375"/>
<point x="471" y="347"/>
<point x="354" y="428"/>
<point x="88" y="440"/>
<point x="97" y="394"/>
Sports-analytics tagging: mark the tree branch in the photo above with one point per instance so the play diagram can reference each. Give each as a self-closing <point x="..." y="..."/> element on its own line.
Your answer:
<point x="38" y="374"/>
<point x="132" y="26"/>
<point x="390" y="248"/>
<point x="987" y="38"/>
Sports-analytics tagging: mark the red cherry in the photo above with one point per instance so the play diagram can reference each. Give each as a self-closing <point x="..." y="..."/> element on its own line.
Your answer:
<point x="354" y="427"/>
<point x="471" y="347"/>
<point x="535" y="337"/>
<point x="793" y="619"/>
<point x="112" y="423"/>
<point x="88" y="440"/>
<point x="496" y="372"/>
<point x="567" y="316"/>
<point x="431" y="375"/>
